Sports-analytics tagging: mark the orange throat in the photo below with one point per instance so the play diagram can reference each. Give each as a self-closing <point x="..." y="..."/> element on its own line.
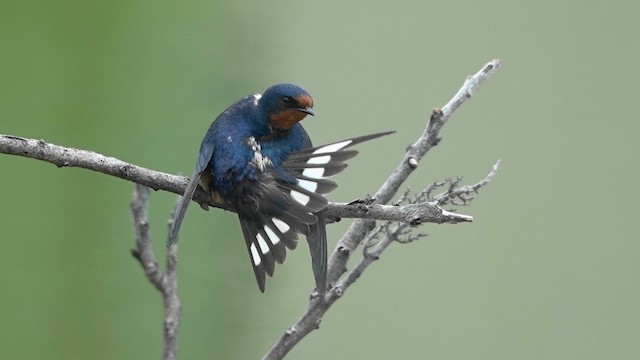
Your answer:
<point x="286" y="119"/>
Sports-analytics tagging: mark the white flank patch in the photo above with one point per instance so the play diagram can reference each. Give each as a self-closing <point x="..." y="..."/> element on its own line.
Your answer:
<point x="308" y="185"/>
<point x="258" y="161"/>
<point x="332" y="147"/>
<point x="256" y="97"/>
<point x="272" y="236"/>
<point x="281" y="225"/>
<point x="319" y="159"/>
<point x="300" y="197"/>
<point x="264" y="247"/>
<point x="254" y="254"/>
<point x="314" y="173"/>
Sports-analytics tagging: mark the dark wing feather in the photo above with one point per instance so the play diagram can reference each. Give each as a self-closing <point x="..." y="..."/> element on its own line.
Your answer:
<point x="206" y="153"/>
<point x="317" y="239"/>
<point x="250" y="231"/>
<point x="305" y="196"/>
<point x="267" y="240"/>
<point x="283" y="231"/>
<point x="181" y="209"/>
<point x="324" y="161"/>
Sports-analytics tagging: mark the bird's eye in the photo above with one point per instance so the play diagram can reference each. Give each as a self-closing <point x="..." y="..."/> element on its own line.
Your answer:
<point x="287" y="100"/>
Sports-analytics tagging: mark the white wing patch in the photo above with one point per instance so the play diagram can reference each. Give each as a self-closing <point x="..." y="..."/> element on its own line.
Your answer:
<point x="260" y="162"/>
<point x="333" y="147"/>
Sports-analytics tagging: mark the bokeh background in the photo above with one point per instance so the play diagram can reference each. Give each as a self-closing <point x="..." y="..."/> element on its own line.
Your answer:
<point x="549" y="270"/>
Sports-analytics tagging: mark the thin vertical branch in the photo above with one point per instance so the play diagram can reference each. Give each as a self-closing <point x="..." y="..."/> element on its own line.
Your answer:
<point x="166" y="282"/>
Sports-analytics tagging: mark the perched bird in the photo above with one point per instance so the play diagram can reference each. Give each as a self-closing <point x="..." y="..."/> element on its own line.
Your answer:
<point x="257" y="160"/>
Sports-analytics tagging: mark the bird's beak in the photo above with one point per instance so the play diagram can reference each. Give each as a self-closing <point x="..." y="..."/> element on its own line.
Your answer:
<point x="307" y="110"/>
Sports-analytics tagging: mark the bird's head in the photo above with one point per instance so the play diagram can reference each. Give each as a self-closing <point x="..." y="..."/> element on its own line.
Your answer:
<point x="285" y="104"/>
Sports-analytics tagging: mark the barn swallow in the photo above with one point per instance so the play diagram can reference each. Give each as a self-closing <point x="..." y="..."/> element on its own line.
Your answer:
<point x="257" y="160"/>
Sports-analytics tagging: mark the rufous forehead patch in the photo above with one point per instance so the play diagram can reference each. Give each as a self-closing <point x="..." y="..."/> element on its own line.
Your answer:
<point x="305" y="101"/>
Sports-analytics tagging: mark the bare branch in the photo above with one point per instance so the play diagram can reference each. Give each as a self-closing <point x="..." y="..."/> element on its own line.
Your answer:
<point x="144" y="250"/>
<point x="360" y="229"/>
<point x="71" y="157"/>
<point x="429" y="138"/>
<point x="166" y="283"/>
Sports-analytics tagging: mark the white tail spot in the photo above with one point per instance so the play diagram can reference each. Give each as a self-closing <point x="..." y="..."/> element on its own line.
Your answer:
<point x="272" y="236"/>
<point x="254" y="255"/>
<point x="308" y="185"/>
<point x="281" y="225"/>
<point x="314" y="173"/>
<point x="300" y="197"/>
<point x="332" y="147"/>
<point x="319" y="159"/>
<point x="264" y="247"/>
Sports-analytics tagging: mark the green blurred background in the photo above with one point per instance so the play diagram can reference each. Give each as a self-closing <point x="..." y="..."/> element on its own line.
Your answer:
<point x="549" y="270"/>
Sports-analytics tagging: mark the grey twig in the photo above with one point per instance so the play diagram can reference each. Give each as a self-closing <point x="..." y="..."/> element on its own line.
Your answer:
<point x="360" y="229"/>
<point x="166" y="282"/>
<point x="465" y="193"/>
<point x="411" y="214"/>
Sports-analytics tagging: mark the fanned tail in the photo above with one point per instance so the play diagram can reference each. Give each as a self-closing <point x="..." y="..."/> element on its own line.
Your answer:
<point x="290" y="201"/>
